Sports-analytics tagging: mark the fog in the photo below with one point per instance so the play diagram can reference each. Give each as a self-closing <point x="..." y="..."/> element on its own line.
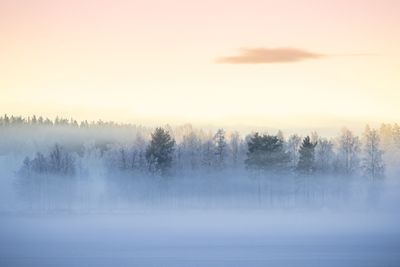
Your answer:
<point x="202" y="238"/>
<point x="103" y="207"/>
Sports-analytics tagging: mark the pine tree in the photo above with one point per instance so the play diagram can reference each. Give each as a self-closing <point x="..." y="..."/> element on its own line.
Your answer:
<point x="159" y="153"/>
<point x="266" y="153"/>
<point x="307" y="157"/>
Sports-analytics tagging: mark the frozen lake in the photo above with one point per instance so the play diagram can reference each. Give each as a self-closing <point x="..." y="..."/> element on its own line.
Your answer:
<point x="201" y="238"/>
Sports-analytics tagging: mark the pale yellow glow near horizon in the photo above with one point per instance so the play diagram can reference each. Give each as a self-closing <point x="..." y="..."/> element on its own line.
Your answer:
<point x="155" y="61"/>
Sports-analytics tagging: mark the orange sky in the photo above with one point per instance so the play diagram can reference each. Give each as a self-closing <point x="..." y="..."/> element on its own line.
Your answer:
<point x="177" y="61"/>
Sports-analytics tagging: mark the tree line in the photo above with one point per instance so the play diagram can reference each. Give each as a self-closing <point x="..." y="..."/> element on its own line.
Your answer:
<point x="307" y="167"/>
<point x="33" y="120"/>
<point x="162" y="155"/>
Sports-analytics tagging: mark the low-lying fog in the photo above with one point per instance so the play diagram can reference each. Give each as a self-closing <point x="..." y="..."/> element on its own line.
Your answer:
<point x="202" y="238"/>
<point x="97" y="200"/>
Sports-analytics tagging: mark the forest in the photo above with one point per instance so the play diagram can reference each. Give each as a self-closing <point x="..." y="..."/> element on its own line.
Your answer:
<point x="64" y="165"/>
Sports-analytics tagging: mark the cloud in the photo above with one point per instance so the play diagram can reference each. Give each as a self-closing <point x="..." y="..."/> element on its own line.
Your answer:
<point x="269" y="55"/>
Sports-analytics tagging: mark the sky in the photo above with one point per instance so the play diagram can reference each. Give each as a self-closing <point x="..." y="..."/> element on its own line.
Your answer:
<point x="246" y="63"/>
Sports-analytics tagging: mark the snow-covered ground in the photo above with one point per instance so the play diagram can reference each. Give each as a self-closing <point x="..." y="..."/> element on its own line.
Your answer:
<point x="202" y="238"/>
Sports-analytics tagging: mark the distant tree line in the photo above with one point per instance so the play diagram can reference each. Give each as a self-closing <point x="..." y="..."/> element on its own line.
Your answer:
<point x="7" y="120"/>
<point x="162" y="155"/>
<point x="187" y="152"/>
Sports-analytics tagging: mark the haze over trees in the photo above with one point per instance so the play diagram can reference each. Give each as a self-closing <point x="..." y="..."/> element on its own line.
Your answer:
<point x="306" y="164"/>
<point x="159" y="152"/>
<point x="266" y="152"/>
<point x="372" y="162"/>
<point x="348" y="159"/>
<point x="123" y="162"/>
<point x="45" y="180"/>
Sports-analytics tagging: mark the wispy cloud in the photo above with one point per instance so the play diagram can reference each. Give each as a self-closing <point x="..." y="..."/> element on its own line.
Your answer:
<point x="269" y="55"/>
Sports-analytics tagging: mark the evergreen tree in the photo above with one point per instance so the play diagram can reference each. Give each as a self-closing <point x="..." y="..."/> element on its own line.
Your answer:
<point x="307" y="157"/>
<point x="159" y="153"/>
<point x="266" y="153"/>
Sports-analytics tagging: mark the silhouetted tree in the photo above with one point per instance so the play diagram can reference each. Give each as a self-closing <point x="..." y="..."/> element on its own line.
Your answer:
<point x="307" y="157"/>
<point x="159" y="153"/>
<point x="266" y="152"/>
